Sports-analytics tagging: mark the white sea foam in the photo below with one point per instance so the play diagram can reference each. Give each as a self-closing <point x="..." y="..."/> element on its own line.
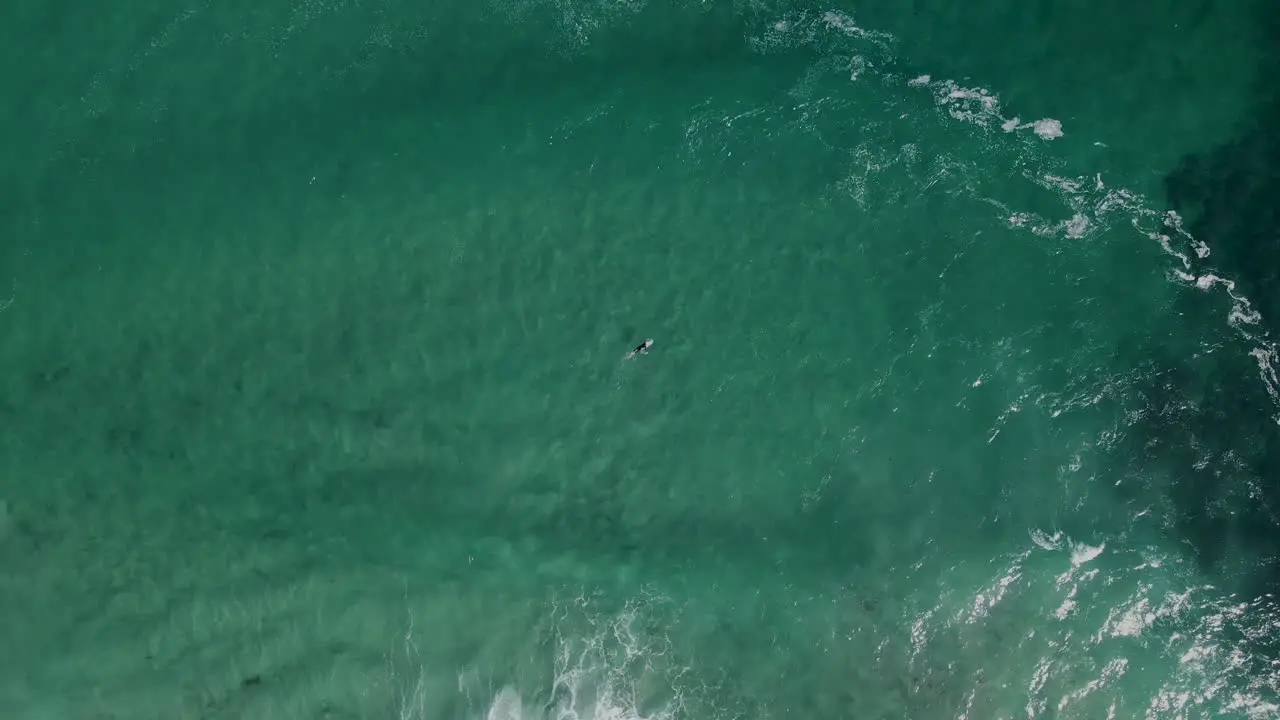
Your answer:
<point x="1047" y="128"/>
<point x="600" y="660"/>
<point x="507" y="705"/>
<point x="1093" y="206"/>
<point x="1045" y="540"/>
<point x="1082" y="553"/>
<point x="844" y="22"/>
<point x="1093" y="209"/>
<point x="1266" y="357"/>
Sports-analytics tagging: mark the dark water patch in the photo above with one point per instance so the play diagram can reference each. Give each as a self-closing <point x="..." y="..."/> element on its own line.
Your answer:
<point x="1231" y="193"/>
<point x="1212" y="422"/>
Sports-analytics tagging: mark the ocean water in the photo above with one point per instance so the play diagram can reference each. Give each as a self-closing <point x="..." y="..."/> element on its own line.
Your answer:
<point x="316" y="403"/>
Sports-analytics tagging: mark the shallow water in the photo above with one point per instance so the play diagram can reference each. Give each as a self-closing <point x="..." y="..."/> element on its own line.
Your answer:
<point x="316" y="404"/>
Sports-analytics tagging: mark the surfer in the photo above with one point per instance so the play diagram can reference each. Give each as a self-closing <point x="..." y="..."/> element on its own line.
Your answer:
<point x="641" y="349"/>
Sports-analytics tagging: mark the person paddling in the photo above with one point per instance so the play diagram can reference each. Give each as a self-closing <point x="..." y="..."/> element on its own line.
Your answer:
<point x="641" y="349"/>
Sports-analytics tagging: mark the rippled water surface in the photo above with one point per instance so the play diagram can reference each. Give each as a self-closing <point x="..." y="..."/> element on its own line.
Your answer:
<point x="317" y="404"/>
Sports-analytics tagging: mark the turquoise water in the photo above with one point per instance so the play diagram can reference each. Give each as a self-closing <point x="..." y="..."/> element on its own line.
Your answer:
<point x="316" y="404"/>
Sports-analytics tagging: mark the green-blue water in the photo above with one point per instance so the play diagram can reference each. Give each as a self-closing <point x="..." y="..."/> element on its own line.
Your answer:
<point x="316" y="404"/>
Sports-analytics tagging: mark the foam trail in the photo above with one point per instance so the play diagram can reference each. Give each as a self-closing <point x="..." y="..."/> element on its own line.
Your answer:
<point x="506" y="706"/>
<point x="600" y="659"/>
<point x="1094" y="205"/>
